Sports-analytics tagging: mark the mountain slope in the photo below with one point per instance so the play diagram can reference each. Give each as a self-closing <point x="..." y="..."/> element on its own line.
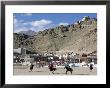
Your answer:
<point x="29" y="32"/>
<point x="79" y="37"/>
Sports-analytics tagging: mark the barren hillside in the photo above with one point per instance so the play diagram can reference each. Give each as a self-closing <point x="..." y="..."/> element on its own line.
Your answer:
<point x="78" y="37"/>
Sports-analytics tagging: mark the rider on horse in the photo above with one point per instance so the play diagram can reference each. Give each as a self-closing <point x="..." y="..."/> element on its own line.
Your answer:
<point x="67" y="65"/>
<point x="52" y="67"/>
<point x="68" y="68"/>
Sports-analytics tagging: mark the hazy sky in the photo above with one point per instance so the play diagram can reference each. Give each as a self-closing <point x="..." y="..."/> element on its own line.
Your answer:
<point x="40" y="21"/>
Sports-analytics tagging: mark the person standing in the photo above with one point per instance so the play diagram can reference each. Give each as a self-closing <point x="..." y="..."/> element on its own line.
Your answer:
<point x="91" y="67"/>
<point x="31" y="67"/>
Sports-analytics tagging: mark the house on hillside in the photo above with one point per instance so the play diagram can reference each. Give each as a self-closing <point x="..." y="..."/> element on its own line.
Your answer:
<point x="20" y="50"/>
<point x="92" y="57"/>
<point x="88" y="58"/>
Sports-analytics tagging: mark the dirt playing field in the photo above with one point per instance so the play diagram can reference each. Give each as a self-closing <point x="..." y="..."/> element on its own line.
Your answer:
<point x="60" y="71"/>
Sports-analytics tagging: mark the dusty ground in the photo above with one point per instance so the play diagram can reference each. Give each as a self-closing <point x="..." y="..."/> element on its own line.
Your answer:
<point x="59" y="71"/>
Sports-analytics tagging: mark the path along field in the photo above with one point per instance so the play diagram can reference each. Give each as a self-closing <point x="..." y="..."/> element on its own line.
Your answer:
<point x="21" y="70"/>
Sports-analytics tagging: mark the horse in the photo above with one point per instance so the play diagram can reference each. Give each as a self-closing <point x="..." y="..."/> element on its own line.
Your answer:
<point x="68" y="69"/>
<point x="52" y="68"/>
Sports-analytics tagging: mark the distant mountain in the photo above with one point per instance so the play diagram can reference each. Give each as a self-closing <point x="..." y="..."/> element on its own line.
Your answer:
<point x="80" y="37"/>
<point x="29" y="32"/>
<point x="19" y="39"/>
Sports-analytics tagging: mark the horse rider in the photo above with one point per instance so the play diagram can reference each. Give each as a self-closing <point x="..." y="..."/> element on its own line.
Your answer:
<point x="67" y="65"/>
<point x="68" y="68"/>
<point x="51" y="65"/>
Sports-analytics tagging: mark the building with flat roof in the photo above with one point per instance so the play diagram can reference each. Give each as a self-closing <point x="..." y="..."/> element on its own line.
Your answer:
<point x="20" y="50"/>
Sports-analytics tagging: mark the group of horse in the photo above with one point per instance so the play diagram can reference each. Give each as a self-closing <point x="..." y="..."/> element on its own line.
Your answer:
<point x="68" y="68"/>
<point x="52" y="68"/>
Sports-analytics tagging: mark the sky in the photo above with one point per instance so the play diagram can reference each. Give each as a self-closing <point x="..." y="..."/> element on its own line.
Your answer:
<point x="41" y="21"/>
